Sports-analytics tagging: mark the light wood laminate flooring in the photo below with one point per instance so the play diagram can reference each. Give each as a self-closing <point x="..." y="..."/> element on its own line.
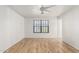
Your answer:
<point x="41" y="45"/>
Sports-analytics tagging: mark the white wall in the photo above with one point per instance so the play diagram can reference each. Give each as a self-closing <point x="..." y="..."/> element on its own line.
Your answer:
<point x="11" y="27"/>
<point x="70" y="27"/>
<point x="59" y="27"/>
<point x="2" y="26"/>
<point x="52" y="28"/>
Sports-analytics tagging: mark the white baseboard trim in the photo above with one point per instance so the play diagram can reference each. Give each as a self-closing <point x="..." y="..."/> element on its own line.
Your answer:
<point x="1" y="51"/>
<point x="71" y="45"/>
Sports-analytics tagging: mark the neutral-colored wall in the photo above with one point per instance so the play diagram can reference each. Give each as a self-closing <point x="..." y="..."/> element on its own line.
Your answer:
<point x="59" y="27"/>
<point x="2" y="26"/>
<point x="11" y="27"/>
<point x="70" y="27"/>
<point x="52" y="28"/>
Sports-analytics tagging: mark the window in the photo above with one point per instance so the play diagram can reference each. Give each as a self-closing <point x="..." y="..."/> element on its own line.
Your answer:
<point x="40" y="26"/>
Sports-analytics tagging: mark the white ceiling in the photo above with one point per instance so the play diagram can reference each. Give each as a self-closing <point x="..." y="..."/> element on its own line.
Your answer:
<point x="34" y="10"/>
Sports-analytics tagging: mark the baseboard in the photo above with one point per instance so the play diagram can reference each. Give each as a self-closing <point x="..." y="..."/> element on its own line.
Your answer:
<point x="40" y="37"/>
<point x="1" y="51"/>
<point x="12" y="45"/>
<point x="72" y="47"/>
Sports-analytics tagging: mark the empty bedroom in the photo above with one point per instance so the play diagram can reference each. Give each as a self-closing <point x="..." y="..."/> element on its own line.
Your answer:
<point x="39" y="28"/>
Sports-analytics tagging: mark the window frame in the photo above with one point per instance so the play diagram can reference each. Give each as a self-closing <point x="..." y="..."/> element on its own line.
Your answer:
<point x="41" y="26"/>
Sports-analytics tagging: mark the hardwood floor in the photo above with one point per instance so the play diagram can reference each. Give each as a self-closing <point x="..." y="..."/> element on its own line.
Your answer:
<point x="40" y="45"/>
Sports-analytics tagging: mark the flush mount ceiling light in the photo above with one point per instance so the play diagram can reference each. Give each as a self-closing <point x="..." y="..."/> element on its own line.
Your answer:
<point x="44" y="9"/>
